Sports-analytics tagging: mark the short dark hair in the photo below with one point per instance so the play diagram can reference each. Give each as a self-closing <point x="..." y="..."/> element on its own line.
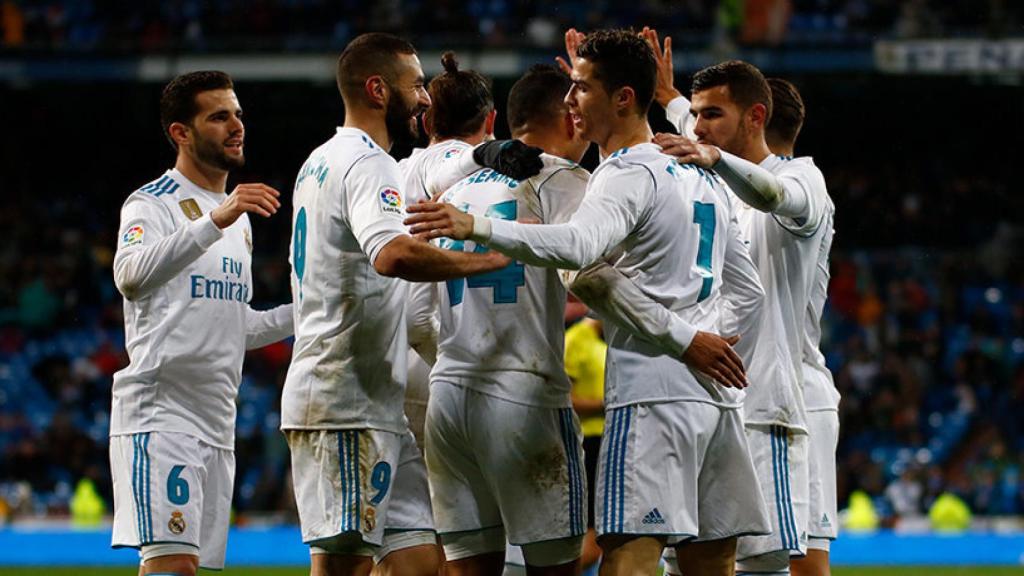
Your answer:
<point x="368" y="55"/>
<point x="746" y="84"/>
<point x="622" y="58"/>
<point x="460" y="100"/>
<point x="178" y="100"/>
<point x="539" y="96"/>
<point x="788" y="111"/>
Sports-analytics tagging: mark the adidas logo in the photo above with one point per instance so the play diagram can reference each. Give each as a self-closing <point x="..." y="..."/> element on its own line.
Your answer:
<point x="654" y="517"/>
<point x="824" y="521"/>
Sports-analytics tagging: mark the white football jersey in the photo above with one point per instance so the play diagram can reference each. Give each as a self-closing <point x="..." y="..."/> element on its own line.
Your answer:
<point x="502" y="333"/>
<point x="785" y="252"/>
<point x="348" y="365"/>
<point x="820" y="391"/>
<point x="672" y="231"/>
<point x="187" y="285"/>
<point x="420" y="171"/>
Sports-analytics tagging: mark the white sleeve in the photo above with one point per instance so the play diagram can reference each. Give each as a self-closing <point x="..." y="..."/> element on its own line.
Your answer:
<point x="374" y="203"/>
<point x="742" y="292"/>
<point x="421" y="320"/>
<point x="150" y="252"/>
<point x="449" y="170"/>
<point x="804" y="184"/>
<point x="617" y="299"/>
<point x="264" y="327"/>
<point x="678" y="114"/>
<point x="609" y="212"/>
<point x="762" y="190"/>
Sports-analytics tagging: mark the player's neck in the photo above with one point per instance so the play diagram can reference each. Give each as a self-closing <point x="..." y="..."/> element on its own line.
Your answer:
<point x="756" y="150"/>
<point x="548" y="143"/>
<point x="206" y="177"/>
<point x="373" y="125"/>
<point x="782" y="148"/>
<point x="631" y="132"/>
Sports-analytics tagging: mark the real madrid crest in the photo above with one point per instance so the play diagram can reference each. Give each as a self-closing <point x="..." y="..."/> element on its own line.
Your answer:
<point x="190" y="208"/>
<point x="370" y="518"/>
<point x="177" y="523"/>
<point x="248" y="239"/>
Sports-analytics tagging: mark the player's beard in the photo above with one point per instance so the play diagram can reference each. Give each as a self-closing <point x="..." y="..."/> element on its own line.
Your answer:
<point x="212" y="153"/>
<point x="400" y="120"/>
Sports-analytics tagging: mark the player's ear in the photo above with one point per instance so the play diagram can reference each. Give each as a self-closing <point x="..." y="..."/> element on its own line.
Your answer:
<point x="377" y="91"/>
<point x="758" y="115"/>
<point x="489" y="123"/>
<point x="428" y="122"/>
<point x="180" y="133"/>
<point x="624" y="98"/>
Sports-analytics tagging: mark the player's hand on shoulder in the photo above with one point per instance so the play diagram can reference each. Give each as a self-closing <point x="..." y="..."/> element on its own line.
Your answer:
<point x="256" y="198"/>
<point x="688" y="151"/>
<point x="510" y="157"/>
<point x="430" y="220"/>
<point x="713" y="355"/>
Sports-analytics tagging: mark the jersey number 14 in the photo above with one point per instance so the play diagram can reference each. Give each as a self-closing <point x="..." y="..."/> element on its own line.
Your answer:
<point x="504" y="282"/>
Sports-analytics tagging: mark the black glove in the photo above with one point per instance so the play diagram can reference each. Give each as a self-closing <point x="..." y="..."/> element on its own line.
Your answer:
<point x="510" y="157"/>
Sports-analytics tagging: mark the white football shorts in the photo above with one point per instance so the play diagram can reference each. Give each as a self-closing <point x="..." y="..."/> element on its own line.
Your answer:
<point x="677" y="469"/>
<point x="172" y="488"/>
<point x="367" y="482"/>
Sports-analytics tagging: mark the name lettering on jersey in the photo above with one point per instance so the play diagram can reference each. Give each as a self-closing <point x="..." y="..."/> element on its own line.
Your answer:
<point x="315" y="167"/>
<point x="191" y="209"/>
<point x="391" y="200"/>
<point x="226" y="289"/>
<point x="488" y="175"/>
<point x="677" y="170"/>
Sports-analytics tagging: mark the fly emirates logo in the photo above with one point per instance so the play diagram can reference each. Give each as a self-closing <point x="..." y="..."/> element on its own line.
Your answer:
<point x="229" y="288"/>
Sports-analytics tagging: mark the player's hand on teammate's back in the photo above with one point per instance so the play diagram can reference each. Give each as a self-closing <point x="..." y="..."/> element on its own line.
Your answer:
<point x="688" y="151"/>
<point x="430" y="220"/>
<point x="573" y="39"/>
<point x="256" y="198"/>
<point x="713" y="355"/>
<point x="510" y="157"/>
<point x="665" y="90"/>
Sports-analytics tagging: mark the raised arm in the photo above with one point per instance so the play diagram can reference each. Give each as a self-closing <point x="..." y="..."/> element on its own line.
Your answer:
<point x="757" y="187"/>
<point x="151" y="252"/>
<point x="677" y="107"/>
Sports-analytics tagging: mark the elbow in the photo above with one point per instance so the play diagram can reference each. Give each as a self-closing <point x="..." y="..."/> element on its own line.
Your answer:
<point x="126" y="285"/>
<point x="393" y="262"/>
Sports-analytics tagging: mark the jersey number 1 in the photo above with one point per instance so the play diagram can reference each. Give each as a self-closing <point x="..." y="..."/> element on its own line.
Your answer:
<point x="704" y="217"/>
<point x="299" y="247"/>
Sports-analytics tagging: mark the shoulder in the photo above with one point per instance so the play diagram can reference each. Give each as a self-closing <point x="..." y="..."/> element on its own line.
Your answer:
<point x="560" y="172"/>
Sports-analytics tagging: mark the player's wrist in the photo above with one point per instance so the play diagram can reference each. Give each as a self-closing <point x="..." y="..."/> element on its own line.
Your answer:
<point x="666" y="96"/>
<point x="481" y="231"/>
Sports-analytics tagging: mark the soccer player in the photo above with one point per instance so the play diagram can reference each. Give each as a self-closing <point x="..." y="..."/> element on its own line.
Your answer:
<point x="461" y="115"/>
<point x="820" y="395"/>
<point x="360" y="482"/>
<point x="674" y="463"/>
<point x="183" y="265"/>
<point x="784" y="206"/>
<point x="503" y="446"/>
